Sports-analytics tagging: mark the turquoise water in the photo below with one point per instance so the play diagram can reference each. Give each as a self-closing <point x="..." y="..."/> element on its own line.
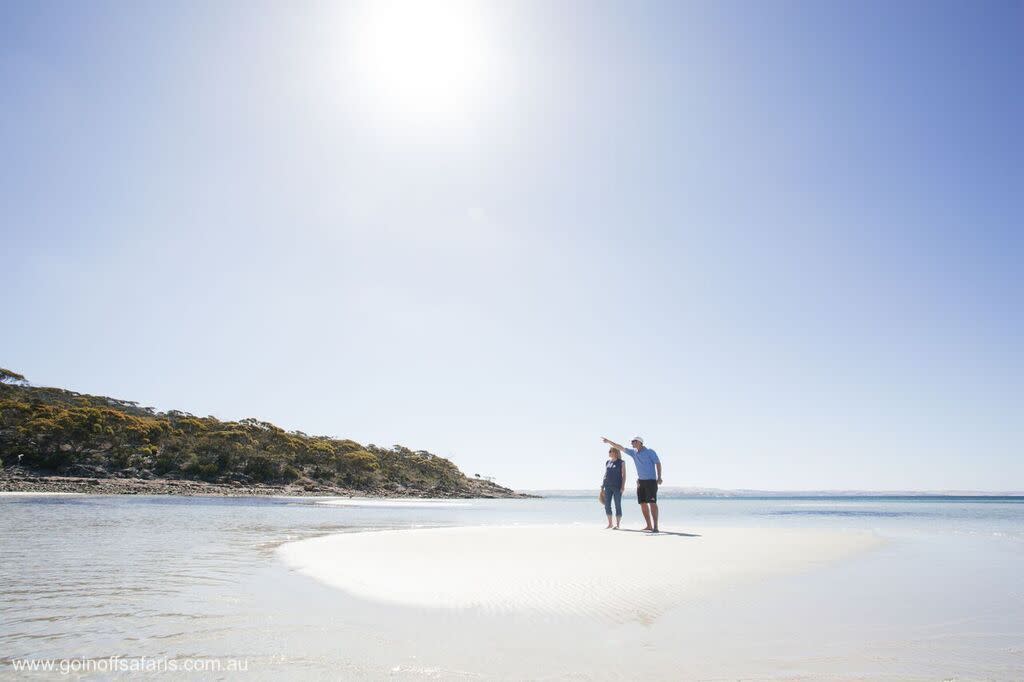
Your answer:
<point x="93" y="577"/>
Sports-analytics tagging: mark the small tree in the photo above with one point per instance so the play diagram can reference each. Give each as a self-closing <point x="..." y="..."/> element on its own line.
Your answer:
<point x="9" y="377"/>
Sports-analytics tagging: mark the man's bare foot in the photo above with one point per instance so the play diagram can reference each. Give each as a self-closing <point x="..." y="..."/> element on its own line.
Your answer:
<point x="654" y="530"/>
<point x="646" y="528"/>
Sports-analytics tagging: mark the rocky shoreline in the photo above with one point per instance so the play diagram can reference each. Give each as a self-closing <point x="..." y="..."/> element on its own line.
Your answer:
<point x="28" y="483"/>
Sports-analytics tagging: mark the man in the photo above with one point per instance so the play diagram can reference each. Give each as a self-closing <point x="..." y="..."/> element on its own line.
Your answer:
<point x="648" y="474"/>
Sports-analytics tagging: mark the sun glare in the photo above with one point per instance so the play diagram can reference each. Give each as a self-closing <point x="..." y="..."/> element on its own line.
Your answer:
<point x="421" y="58"/>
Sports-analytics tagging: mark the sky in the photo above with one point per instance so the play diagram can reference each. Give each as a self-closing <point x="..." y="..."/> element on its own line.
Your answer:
<point x="782" y="241"/>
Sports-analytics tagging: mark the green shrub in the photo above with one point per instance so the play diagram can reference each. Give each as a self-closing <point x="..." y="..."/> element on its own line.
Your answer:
<point x="56" y="429"/>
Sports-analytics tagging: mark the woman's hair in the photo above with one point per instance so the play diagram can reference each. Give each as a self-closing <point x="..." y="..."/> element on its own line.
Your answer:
<point x="615" y="451"/>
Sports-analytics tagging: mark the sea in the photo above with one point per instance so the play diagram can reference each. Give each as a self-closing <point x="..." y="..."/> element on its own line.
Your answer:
<point x="94" y="587"/>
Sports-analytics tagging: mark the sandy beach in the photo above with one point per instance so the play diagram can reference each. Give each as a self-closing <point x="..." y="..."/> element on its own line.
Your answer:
<point x="560" y="569"/>
<point x="22" y="493"/>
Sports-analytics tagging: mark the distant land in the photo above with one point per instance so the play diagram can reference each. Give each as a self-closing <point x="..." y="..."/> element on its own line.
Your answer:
<point x="54" y="440"/>
<point x="684" y="492"/>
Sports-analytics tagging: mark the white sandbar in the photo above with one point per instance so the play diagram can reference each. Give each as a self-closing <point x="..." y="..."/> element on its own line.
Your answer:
<point x="389" y="502"/>
<point x="559" y="569"/>
<point x="21" y="493"/>
<point x="402" y="503"/>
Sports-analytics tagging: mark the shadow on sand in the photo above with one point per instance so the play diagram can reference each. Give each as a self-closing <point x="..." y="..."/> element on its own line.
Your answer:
<point x="659" y="533"/>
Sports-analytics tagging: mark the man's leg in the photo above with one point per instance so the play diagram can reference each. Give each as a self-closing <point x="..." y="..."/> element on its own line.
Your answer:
<point x="647" y="515"/>
<point x="654" y="514"/>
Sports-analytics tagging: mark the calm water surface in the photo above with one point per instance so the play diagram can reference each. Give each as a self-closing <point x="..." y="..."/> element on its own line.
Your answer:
<point x="163" y="577"/>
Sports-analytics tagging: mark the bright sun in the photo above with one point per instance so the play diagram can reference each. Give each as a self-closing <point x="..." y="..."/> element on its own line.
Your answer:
<point x="420" y="57"/>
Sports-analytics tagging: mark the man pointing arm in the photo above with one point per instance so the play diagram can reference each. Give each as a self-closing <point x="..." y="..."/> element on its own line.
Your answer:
<point x="648" y="473"/>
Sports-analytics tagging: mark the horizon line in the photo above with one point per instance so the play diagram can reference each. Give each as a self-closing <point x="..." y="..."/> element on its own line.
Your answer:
<point x="806" y="491"/>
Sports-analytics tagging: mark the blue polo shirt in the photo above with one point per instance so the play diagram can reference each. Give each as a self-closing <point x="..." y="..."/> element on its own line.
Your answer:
<point x="644" y="459"/>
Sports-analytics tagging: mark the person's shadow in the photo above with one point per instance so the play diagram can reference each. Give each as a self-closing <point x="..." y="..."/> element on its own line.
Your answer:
<point x="660" y="532"/>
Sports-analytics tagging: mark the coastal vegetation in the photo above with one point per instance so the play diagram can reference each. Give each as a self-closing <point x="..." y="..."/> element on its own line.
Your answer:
<point x="60" y="432"/>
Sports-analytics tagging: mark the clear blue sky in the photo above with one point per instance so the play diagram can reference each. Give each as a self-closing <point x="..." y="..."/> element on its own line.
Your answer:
<point x="781" y="240"/>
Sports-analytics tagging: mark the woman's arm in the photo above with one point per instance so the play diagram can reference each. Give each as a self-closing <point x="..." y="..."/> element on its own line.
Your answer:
<point x="623" y="488"/>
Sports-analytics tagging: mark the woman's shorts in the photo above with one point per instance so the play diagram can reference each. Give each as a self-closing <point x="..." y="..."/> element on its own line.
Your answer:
<point x="646" y="491"/>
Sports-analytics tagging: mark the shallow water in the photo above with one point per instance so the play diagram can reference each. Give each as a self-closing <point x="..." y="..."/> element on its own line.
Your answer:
<point x="85" y="577"/>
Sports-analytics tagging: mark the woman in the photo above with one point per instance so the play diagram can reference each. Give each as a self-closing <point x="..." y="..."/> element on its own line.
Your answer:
<point x="614" y="484"/>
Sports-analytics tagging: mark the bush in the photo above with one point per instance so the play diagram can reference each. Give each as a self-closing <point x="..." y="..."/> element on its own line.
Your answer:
<point x="57" y="430"/>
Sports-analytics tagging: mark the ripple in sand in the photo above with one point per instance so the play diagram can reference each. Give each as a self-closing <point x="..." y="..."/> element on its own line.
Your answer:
<point x="559" y="570"/>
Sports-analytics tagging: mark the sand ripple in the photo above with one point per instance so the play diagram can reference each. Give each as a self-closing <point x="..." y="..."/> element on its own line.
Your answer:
<point x="559" y="569"/>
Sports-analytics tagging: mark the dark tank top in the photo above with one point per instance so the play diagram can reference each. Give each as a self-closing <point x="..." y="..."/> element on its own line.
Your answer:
<point x="613" y="472"/>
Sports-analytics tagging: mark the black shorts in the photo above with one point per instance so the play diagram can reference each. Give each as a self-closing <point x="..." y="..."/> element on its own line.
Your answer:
<point x="646" y="491"/>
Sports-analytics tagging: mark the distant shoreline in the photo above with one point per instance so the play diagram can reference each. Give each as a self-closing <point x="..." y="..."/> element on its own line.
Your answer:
<point x="718" y="494"/>
<point x="189" y="488"/>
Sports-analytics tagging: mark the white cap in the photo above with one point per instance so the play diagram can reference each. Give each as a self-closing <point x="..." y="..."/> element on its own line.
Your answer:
<point x="639" y="439"/>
